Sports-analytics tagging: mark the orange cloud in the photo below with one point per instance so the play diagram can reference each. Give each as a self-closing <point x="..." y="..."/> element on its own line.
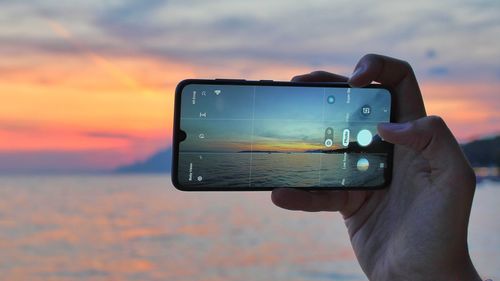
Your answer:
<point x="57" y="102"/>
<point x="468" y="107"/>
<point x="51" y="102"/>
<point x="54" y="105"/>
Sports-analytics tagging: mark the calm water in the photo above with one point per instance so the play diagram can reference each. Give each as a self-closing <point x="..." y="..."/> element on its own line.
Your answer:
<point x="140" y="228"/>
<point x="280" y="169"/>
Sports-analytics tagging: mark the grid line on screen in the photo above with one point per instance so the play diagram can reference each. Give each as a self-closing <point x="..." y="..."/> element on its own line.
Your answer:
<point x="323" y="119"/>
<point x="251" y="138"/>
<point x="276" y="145"/>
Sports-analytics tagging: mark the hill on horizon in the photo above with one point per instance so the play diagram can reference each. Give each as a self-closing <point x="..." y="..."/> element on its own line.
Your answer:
<point x="160" y="162"/>
<point x="481" y="153"/>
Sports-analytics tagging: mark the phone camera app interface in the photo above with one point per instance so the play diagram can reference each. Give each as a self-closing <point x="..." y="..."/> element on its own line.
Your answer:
<point x="282" y="136"/>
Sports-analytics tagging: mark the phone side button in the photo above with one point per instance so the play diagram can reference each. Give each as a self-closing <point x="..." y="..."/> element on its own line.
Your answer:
<point x="266" y="81"/>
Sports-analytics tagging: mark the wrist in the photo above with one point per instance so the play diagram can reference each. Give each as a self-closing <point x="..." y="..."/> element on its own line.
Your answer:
<point x="462" y="270"/>
<point x="465" y="271"/>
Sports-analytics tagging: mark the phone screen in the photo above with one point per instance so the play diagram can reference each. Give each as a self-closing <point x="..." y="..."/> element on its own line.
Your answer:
<point x="253" y="136"/>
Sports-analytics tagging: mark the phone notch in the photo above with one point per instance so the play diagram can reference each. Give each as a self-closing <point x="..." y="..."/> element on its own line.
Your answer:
<point x="181" y="135"/>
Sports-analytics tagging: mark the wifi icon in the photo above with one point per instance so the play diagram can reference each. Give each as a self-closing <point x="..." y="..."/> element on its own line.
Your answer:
<point x="217" y="92"/>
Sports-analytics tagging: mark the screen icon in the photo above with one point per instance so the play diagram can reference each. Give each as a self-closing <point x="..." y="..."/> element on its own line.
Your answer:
<point x="366" y="110"/>
<point x="364" y="137"/>
<point x="329" y="137"/>
<point x="331" y="99"/>
<point x="201" y="136"/>
<point x="199" y="178"/>
<point x="217" y="92"/>
<point x="328" y="142"/>
<point x="203" y="114"/>
<point x="362" y="164"/>
<point x="345" y="137"/>
<point x="193" y="100"/>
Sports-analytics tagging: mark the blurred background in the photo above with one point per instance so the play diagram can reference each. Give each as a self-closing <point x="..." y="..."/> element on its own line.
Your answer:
<point x="86" y="123"/>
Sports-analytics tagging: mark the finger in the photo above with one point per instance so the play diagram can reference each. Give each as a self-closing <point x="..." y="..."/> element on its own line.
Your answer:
<point x="347" y="202"/>
<point x="319" y="76"/>
<point x="296" y="199"/>
<point x="431" y="137"/>
<point x="385" y="70"/>
<point x="399" y="77"/>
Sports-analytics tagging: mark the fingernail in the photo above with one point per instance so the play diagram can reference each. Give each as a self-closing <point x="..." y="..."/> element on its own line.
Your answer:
<point x="352" y="80"/>
<point x="357" y="72"/>
<point x="394" y="127"/>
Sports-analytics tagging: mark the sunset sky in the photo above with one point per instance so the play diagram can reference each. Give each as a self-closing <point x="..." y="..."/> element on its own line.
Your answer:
<point x="284" y="119"/>
<point x="88" y="85"/>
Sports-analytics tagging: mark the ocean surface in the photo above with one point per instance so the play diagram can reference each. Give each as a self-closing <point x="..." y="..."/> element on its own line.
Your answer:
<point x="138" y="227"/>
<point x="281" y="169"/>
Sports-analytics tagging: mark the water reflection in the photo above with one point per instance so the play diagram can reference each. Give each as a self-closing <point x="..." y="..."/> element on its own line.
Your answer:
<point x="140" y="228"/>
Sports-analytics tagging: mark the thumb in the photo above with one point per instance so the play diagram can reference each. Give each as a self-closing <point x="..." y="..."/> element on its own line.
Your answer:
<point x="429" y="136"/>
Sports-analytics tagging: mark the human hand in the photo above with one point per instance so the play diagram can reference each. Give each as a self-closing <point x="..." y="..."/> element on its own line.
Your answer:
<point x="416" y="229"/>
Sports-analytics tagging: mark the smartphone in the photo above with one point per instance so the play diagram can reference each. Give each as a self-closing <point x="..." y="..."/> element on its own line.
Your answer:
<point x="238" y="135"/>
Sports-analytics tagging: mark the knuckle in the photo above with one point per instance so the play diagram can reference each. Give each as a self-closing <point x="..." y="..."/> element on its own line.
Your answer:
<point x="436" y="122"/>
<point x="405" y="64"/>
<point x="408" y="70"/>
<point x="319" y="73"/>
<point x="370" y="58"/>
<point x="299" y="77"/>
<point x="413" y="126"/>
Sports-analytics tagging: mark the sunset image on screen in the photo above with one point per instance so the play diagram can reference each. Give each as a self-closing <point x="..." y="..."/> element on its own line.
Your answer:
<point x="241" y="135"/>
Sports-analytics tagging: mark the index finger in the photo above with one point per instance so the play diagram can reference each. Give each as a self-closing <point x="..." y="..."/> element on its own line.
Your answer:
<point x="319" y="76"/>
<point x="399" y="77"/>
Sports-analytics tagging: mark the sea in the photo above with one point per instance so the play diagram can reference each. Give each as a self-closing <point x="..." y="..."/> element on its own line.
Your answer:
<point x="138" y="227"/>
<point x="281" y="169"/>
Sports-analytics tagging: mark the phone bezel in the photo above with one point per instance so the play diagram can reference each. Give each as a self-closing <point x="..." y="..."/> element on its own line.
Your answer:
<point x="176" y="132"/>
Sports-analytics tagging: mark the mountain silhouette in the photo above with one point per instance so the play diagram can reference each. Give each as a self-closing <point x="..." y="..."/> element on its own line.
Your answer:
<point x="159" y="162"/>
<point x="483" y="152"/>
